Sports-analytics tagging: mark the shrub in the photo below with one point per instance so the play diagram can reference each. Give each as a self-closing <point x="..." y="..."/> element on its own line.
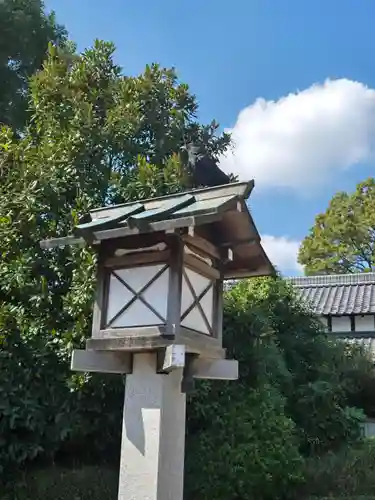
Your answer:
<point x="240" y="445"/>
<point x="56" y="483"/>
<point x="248" y="439"/>
<point x="348" y="473"/>
<point x="45" y="410"/>
<point x="276" y="339"/>
<point x="345" y="498"/>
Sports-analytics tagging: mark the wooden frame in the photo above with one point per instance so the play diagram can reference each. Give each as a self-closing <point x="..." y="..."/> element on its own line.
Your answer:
<point x="137" y="259"/>
<point x="136" y="343"/>
<point x="198" y="343"/>
<point x="329" y="323"/>
<point x="100" y="296"/>
<point x="146" y="331"/>
<point x="201" y="267"/>
<point x="197" y="303"/>
<point x="136" y="296"/>
<point x="212" y="273"/>
<point x="217" y="323"/>
<point x="175" y="287"/>
<point x="171" y="328"/>
<point x="152" y="338"/>
<point x="201" y="245"/>
<point x="106" y="268"/>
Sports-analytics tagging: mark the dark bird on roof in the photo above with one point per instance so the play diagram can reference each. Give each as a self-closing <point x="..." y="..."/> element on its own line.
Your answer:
<point x="203" y="169"/>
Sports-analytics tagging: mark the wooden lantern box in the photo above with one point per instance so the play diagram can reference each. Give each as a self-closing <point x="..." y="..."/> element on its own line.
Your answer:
<point x="161" y="267"/>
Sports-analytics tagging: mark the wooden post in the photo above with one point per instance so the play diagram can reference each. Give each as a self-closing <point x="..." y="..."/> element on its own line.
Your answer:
<point x="174" y="289"/>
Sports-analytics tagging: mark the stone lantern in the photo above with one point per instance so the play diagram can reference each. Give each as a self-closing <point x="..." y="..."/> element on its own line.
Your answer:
<point x="158" y="315"/>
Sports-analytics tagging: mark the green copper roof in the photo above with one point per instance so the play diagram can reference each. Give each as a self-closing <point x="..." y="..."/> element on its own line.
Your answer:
<point x="109" y="222"/>
<point x="161" y="213"/>
<point x="135" y="215"/>
<point x="223" y="208"/>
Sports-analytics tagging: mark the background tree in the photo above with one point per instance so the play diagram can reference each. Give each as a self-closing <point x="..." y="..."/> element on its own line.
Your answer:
<point x="25" y="31"/>
<point x="95" y="137"/>
<point x="342" y="239"/>
<point x="290" y="407"/>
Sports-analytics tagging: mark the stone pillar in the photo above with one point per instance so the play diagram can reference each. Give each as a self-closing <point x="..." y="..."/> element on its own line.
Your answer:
<point x="153" y="433"/>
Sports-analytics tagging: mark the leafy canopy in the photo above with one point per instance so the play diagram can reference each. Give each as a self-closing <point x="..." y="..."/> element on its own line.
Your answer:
<point x="342" y="239"/>
<point x="95" y="137"/>
<point x="292" y="402"/>
<point x="25" y="31"/>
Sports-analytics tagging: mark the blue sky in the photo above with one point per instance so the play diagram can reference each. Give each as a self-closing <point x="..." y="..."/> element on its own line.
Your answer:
<point x="310" y="61"/>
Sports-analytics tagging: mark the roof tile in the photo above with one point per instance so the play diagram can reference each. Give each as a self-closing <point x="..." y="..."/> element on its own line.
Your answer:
<point x="338" y="294"/>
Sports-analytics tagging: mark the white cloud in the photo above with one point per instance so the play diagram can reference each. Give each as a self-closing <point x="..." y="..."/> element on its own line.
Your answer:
<point x="282" y="252"/>
<point x="300" y="140"/>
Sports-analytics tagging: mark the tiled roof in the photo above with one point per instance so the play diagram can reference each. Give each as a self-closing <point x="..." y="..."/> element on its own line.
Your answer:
<point x="338" y="294"/>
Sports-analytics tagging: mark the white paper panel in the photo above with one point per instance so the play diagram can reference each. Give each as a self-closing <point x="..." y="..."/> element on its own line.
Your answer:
<point x="119" y="295"/>
<point x="207" y="303"/>
<point x="195" y="321"/>
<point x="137" y="314"/>
<point x="198" y="282"/>
<point x="138" y="277"/>
<point x="157" y="294"/>
<point x="186" y="296"/>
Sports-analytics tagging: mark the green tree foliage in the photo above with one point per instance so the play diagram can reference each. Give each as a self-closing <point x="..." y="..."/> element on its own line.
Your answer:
<point x="348" y="473"/>
<point x="261" y="437"/>
<point x="25" y="31"/>
<point x="342" y="239"/>
<point x="44" y="408"/>
<point x="95" y="137"/>
<point x="250" y="439"/>
<point x="61" y="483"/>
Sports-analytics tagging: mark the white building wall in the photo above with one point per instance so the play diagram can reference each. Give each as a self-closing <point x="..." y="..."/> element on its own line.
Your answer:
<point x="369" y="428"/>
<point x="324" y="321"/>
<point x="364" y="323"/>
<point x="341" y="324"/>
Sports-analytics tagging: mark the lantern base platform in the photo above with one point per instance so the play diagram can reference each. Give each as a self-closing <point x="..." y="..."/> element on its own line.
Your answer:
<point x="173" y="358"/>
<point x="155" y="338"/>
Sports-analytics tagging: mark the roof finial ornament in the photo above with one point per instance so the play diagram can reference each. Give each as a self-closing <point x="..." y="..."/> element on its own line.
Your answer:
<point x="202" y="167"/>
